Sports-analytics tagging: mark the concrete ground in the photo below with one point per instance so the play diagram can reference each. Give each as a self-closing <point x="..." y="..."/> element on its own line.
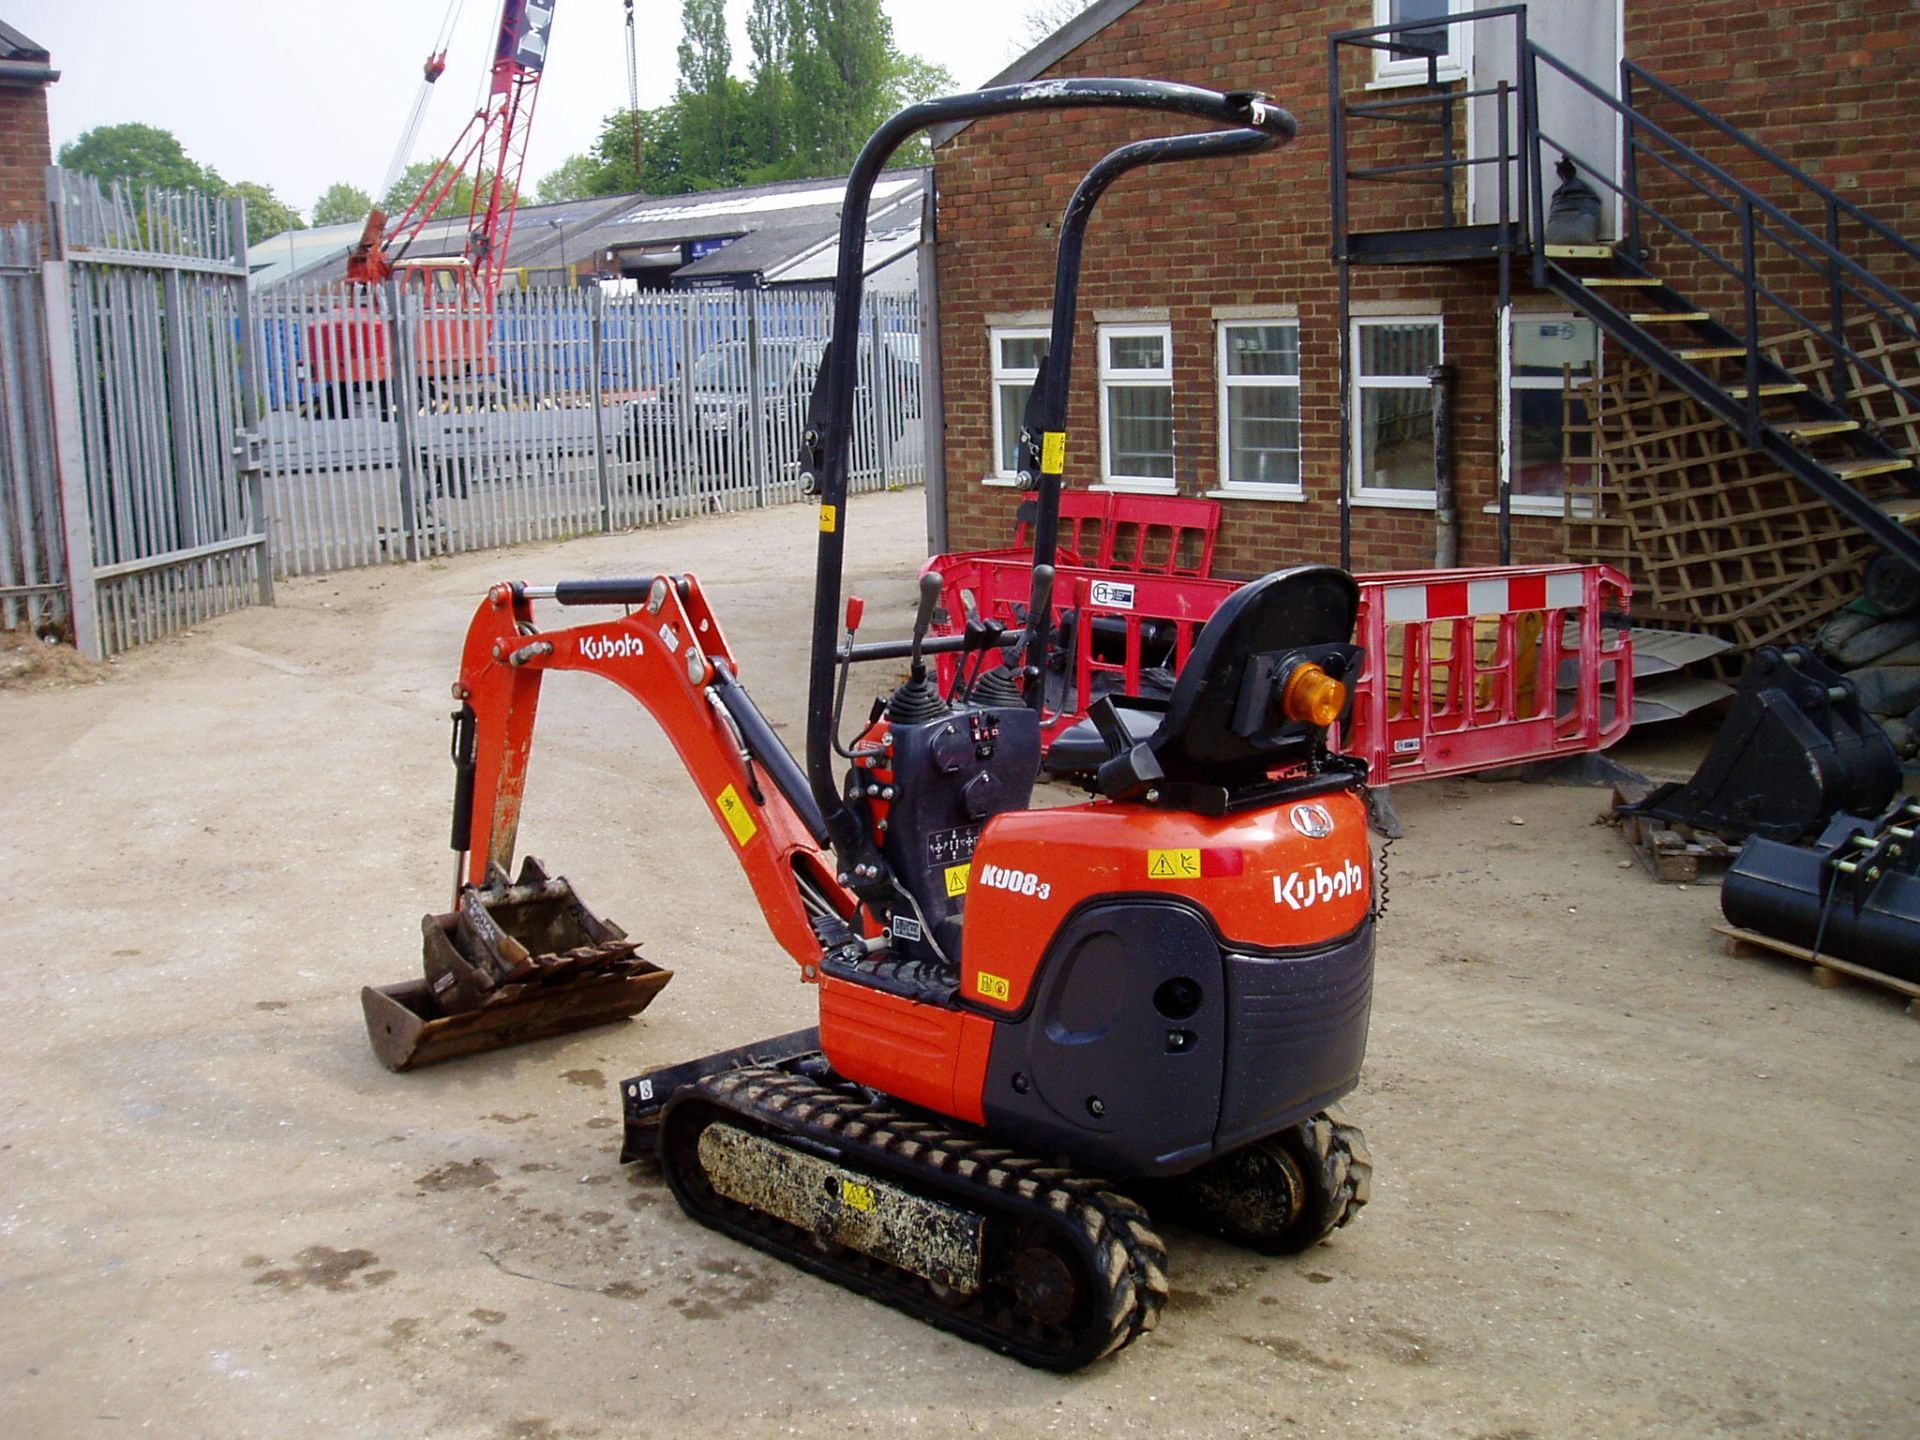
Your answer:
<point x="1626" y="1185"/>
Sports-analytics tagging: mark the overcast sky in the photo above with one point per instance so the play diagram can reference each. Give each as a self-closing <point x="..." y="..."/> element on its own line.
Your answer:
<point x="297" y="96"/>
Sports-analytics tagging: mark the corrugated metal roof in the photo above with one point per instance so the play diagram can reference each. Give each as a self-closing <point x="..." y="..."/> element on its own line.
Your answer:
<point x="778" y="227"/>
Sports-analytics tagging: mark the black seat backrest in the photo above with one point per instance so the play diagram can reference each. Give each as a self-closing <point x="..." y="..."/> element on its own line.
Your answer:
<point x="1286" y="611"/>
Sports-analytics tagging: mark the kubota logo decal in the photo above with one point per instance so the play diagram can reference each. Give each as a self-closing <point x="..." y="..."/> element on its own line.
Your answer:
<point x="1303" y="888"/>
<point x="611" y="647"/>
<point x="1312" y="821"/>
<point x="1014" y="882"/>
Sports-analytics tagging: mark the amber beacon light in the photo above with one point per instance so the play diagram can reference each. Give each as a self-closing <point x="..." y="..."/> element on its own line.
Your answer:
<point x="1313" y="697"/>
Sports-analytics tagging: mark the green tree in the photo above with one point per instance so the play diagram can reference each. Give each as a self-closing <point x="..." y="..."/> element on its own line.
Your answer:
<point x="823" y="75"/>
<point x="267" y="214"/>
<point x="571" y="181"/>
<point x="455" y="202"/>
<point x="841" y="64"/>
<point x="136" y="154"/>
<point x="342" y="204"/>
<point x="709" y="103"/>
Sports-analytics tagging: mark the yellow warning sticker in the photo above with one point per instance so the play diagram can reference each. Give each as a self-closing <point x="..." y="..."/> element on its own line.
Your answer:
<point x="957" y="879"/>
<point x="1053" y="452"/>
<point x="739" y="819"/>
<point x="992" y="987"/>
<point x="1173" y="864"/>
<point x="829" y="518"/>
<point x="856" y="1196"/>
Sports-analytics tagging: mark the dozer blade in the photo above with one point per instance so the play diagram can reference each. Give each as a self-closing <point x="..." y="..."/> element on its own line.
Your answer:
<point x="512" y="962"/>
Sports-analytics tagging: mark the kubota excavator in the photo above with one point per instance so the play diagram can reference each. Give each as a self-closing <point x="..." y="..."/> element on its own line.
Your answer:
<point x="1039" y="1029"/>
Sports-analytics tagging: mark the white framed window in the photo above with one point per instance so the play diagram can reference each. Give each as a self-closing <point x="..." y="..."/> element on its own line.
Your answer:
<point x="1541" y="349"/>
<point x="1259" y="369"/>
<point x="1017" y="353"/>
<point x="1393" y="409"/>
<point x="1453" y="57"/>
<point x="1136" y="407"/>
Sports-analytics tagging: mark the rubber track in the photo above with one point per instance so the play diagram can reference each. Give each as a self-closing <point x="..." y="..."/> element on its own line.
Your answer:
<point x="1111" y="1233"/>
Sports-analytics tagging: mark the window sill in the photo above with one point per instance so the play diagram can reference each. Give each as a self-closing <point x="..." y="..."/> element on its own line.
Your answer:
<point x="1541" y="508"/>
<point x="1391" y="500"/>
<point x="1263" y="494"/>
<point x="1450" y="72"/>
<point x="1137" y="487"/>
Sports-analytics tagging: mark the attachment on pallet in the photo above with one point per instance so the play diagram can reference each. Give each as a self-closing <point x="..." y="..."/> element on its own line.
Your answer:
<point x="1855" y="894"/>
<point x="515" y="960"/>
<point x="1796" y="749"/>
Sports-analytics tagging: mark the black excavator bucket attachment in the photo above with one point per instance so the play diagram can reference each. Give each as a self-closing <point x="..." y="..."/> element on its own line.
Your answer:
<point x="514" y="961"/>
<point x="1795" y="750"/>
<point x="1855" y="895"/>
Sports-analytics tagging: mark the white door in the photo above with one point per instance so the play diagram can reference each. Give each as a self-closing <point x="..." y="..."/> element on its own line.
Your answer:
<point x="1585" y="36"/>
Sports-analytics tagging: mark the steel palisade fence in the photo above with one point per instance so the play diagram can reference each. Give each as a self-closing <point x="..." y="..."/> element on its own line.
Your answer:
<point x="172" y="437"/>
<point x="391" y="433"/>
<point x="33" y="592"/>
<point x="149" y="364"/>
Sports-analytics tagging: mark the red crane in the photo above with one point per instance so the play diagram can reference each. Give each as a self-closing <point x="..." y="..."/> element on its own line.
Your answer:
<point x="349" y="348"/>
<point x="492" y="148"/>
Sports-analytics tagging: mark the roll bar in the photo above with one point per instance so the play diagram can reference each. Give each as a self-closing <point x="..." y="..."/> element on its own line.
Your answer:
<point x="827" y="442"/>
<point x="1043" y="436"/>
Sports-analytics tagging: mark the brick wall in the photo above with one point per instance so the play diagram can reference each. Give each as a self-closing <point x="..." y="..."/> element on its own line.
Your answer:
<point x="1257" y="231"/>
<point x="1831" y="85"/>
<point x="25" y="153"/>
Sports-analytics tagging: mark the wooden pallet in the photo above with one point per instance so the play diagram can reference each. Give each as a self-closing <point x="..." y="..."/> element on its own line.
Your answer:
<point x="1673" y="854"/>
<point x="1716" y="533"/>
<point x="1827" y="971"/>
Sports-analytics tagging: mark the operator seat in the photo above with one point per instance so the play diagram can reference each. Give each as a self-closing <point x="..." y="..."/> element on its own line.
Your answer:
<point x="1220" y="726"/>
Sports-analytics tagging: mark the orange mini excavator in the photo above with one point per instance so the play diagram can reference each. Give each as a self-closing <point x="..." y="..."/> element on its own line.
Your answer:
<point x="1039" y="1029"/>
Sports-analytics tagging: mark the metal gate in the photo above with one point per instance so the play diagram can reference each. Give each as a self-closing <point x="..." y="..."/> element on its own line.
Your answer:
<point x="33" y="593"/>
<point x="148" y="337"/>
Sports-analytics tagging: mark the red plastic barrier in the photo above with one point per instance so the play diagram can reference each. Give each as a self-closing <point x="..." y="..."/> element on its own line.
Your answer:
<point x="1466" y="670"/>
<point x="1139" y="534"/>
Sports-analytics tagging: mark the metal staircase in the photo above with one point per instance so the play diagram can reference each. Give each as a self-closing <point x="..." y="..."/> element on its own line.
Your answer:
<point x="1771" y="275"/>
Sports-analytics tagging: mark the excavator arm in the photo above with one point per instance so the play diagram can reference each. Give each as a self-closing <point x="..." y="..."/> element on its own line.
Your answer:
<point x="667" y="651"/>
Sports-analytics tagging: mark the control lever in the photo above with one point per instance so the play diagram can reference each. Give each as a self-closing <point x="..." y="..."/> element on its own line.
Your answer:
<point x="917" y="700"/>
<point x="930" y="588"/>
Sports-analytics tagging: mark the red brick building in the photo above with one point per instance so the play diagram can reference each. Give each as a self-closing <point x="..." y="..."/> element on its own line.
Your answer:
<point x="1207" y="348"/>
<point x="26" y="147"/>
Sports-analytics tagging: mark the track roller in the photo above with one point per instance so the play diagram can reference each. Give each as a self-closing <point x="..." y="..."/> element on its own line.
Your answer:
<point x="1280" y="1195"/>
<point x="1041" y="1263"/>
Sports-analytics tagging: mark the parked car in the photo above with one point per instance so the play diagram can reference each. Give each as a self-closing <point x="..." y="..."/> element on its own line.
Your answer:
<point x="703" y="424"/>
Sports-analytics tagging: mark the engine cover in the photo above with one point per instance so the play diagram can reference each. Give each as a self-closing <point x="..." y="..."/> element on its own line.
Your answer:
<point x="1169" y="986"/>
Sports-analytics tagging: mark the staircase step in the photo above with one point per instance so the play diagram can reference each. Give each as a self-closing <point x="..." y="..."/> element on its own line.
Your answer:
<point x="1815" y="429"/>
<point x="1579" y="252"/>
<point x="1712" y="352"/>
<point x="1627" y="282"/>
<point x="1658" y="317"/>
<point x="1784" y="387"/>
<point x="1860" y="469"/>
<point x="1906" y="509"/>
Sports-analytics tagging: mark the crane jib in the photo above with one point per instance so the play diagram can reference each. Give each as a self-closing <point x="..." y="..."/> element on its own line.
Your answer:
<point x="523" y="33"/>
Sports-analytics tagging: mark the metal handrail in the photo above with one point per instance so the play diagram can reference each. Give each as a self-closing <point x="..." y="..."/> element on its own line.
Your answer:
<point x="1780" y="163"/>
<point x="1635" y="119"/>
<point x="1745" y="206"/>
<point x="1743" y="272"/>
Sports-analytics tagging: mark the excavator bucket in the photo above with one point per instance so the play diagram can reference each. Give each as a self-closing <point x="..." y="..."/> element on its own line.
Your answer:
<point x="513" y="961"/>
